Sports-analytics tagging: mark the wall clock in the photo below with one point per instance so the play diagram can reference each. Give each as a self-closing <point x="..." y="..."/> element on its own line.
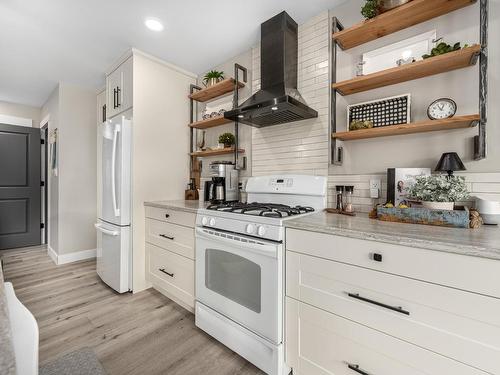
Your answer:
<point x="441" y="109"/>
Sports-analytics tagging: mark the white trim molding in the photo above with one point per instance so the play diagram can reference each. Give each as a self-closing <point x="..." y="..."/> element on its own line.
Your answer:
<point x="14" y="120"/>
<point x="71" y="257"/>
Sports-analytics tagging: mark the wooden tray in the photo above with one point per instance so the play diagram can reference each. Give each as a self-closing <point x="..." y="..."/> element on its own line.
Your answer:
<point x="442" y="218"/>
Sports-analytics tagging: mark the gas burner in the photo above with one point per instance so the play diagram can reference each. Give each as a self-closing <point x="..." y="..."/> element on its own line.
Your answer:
<point x="261" y="209"/>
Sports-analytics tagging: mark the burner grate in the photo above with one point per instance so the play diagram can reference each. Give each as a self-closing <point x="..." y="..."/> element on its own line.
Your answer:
<point x="261" y="209"/>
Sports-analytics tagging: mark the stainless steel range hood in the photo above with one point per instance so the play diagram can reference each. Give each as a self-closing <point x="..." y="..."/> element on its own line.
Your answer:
<point x="278" y="101"/>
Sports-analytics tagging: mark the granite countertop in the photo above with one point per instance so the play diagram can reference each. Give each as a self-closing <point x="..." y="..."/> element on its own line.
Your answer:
<point x="179" y="205"/>
<point x="7" y="358"/>
<point x="483" y="242"/>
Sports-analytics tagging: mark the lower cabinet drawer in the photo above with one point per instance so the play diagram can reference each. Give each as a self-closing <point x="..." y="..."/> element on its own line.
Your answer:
<point x="171" y="216"/>
<point x="321" y="343"/>
<point x="460" y="325"/>
<point x="176" y="238"/>
<point x="171" y="273"/>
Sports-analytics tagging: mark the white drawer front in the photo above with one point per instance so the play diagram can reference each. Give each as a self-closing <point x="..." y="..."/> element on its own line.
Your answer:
<point x="474" y="274"/>
<point x="173" y="237"/>
<point x="461" y="325"/>
<point x="171" y="216"/>
<point x="320" y="343"/>
<point x="172" y="273"/>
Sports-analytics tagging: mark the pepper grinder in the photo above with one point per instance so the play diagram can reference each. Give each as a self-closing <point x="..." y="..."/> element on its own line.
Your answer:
<point x="339" y="198"/>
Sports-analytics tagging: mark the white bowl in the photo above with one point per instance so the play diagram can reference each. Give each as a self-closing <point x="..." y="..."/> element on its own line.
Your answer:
<point x="489" y="209"/>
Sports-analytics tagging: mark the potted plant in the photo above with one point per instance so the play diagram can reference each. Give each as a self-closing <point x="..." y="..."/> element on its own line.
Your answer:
<point x="439" y="192"/>
<point x="227" y="139"/>
<point x="373" y="8"/>
<point x="212" y="77"/>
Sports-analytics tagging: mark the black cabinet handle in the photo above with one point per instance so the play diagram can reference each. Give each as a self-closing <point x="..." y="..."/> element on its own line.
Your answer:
<point x="114" y="98"/>
<point x="167" y="216"/>
<point x="104" y="113"/>
<point x="393" y="308"/>
<point x="165" y="272"/>
<point x="356" y="368"/>
<point x="167" y="237"/>
<point x="118" y="90"/>
<point x="377" y="257"/>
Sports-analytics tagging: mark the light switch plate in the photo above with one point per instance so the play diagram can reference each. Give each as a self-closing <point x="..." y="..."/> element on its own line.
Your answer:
<point x="375" y="186"/>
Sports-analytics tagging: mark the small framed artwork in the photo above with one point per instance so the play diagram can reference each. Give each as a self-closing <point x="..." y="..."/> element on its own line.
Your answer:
<point x="403" y="52"/>
<point x="399" y="180"/>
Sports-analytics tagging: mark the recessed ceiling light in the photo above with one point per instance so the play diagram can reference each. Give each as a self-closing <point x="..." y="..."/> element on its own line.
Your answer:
<point x="153" y="24"/>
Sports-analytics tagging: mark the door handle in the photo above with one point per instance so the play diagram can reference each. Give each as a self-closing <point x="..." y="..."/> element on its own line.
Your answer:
<point x="106" y="231"/>
<point x="398" y="309"/>
<point x="356" y="368"/>
<point x="165" y="272"/>
<point x="113" y="172"/>
<point x="167" y="237"/>
<point x="118" y="91"/>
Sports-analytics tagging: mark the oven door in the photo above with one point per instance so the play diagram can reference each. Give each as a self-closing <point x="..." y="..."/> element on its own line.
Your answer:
<point x="241" y="278"/>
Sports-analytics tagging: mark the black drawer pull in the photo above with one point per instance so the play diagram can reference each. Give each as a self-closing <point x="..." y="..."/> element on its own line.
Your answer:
<point x="118" y="90"/>
<point x="393" y="308"/>
<point x="165" y="272"/>
<point x="356" y="368"/>
<point x="114" y="98"/>
<point x="167" y="237"/>
<point x="377" y="257"/>
<point x="167" y="216"/>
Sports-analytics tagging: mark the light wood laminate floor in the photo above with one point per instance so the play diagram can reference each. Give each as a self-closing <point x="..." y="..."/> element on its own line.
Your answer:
<point x="144" y="333"/>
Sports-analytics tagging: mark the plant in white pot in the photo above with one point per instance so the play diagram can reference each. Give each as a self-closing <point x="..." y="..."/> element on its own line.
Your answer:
<point x="439" y="192"/>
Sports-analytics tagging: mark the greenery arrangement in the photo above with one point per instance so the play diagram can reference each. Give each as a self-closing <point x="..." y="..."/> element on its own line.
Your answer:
<point x="213" y="76"/>
<point x="227" y="139"/>
<point x="371" y="9"/>
<point x="443" y="48"/>
<point x="439" y="188"/>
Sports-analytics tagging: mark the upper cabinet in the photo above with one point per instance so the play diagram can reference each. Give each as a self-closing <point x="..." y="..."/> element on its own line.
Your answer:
<point x="119" y="89"/>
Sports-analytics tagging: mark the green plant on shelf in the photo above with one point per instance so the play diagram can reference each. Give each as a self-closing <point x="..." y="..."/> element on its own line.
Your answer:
<point x="371" y="9"/>
<point x="212" y="77"/>
<point x="443" y="48"/>
<point x="227" y="139"/>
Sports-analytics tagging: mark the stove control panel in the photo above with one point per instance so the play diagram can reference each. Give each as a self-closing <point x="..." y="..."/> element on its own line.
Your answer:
<point x="265" y="231"/>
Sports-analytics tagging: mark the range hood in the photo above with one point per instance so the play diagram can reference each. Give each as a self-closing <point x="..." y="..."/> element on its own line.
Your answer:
<point x="278" y="100"/>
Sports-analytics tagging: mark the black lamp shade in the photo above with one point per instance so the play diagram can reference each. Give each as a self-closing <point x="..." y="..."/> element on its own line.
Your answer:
<point x="449" y="162"/>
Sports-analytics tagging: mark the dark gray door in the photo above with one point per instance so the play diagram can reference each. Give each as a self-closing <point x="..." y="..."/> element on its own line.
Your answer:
<point x="19" y="186"/>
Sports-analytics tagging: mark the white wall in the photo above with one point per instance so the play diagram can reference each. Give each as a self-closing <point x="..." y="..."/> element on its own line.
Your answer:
<point x="20" y="110"/>
<point x="72" y="193"/>
<point x="160" y="166"/>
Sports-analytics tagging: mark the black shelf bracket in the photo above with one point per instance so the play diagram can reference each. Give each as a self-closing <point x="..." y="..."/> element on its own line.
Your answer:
<point x="237" y="69"/>
<point x="480" y="139"/>
<point x="336" y="149"/>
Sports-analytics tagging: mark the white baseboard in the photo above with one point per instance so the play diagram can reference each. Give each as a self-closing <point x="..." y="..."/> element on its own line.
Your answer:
<point x="71" y="257"/>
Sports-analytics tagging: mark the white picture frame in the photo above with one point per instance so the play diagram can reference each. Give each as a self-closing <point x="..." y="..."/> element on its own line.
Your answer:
<point x="386" y="57"/>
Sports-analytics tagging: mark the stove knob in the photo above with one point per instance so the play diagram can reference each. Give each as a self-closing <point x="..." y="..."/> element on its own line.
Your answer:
<point x="212" y="222"/>
<point x="261" y="230"/>
<point x="250" y="228"/>
<point x="204" y="221"/>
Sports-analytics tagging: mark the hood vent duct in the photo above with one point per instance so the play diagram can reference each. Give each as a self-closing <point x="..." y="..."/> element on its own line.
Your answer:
<point x="278" y="101"/>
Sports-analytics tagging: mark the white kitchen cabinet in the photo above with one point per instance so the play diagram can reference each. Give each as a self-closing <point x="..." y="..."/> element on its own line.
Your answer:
<point x="170" y="255"/>
<point x="321" y="343"/>
<point x="119" y="89"/>
<point x="444" y="304"/>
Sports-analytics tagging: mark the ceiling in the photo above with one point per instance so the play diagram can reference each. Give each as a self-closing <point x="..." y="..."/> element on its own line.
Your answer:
<point x="75" y="41"/>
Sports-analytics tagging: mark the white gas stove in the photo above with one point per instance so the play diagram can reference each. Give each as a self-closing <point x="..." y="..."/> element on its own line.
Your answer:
<point x="240" y="261"/>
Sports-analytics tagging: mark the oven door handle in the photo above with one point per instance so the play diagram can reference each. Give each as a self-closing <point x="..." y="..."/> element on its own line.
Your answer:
<point x="270" y="250"/>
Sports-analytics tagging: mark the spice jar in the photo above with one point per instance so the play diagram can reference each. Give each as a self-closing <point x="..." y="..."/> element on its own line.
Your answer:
<point x="348" y="192"/>
<point x="339" y="197"/>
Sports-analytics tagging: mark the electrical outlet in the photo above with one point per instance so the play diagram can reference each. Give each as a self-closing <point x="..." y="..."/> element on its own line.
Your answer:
<point x="375" y="186"/>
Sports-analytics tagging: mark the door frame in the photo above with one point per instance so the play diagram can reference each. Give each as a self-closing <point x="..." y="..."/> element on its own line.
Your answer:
<point x="44" y="133"/>
<point x="46" y="123"/>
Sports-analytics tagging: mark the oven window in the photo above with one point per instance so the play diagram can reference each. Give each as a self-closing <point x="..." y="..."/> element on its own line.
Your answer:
<point x="233" y="277"/>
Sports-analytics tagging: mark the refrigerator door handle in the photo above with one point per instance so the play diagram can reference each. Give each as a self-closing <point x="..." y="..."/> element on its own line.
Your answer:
<point x="100" y="228"/>
<point x="113" y="172"/>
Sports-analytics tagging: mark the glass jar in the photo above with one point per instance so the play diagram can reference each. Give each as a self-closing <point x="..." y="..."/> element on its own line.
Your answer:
<point x="348" y="192"/>
<point x="339" y="197"/>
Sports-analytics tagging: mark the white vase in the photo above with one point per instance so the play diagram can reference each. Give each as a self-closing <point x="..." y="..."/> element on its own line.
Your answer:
<point x="438" y="205"/>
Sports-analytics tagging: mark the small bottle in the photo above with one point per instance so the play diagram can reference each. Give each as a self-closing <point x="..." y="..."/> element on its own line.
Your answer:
<point x="348" y="191"/>
<point x="339" y="197"/>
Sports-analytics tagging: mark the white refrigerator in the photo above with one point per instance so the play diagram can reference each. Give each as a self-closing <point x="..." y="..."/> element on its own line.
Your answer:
<point x="114" y="242"/>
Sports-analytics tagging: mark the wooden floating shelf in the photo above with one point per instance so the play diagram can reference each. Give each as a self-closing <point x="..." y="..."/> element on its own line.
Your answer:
<point x="419" y="69"/>
<point x="457" y="122"/>
<point x="399" y="18"/>
<point x="222" y="151"/>
<point x="210" y="123"/>
<point x="219" y="89"/>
